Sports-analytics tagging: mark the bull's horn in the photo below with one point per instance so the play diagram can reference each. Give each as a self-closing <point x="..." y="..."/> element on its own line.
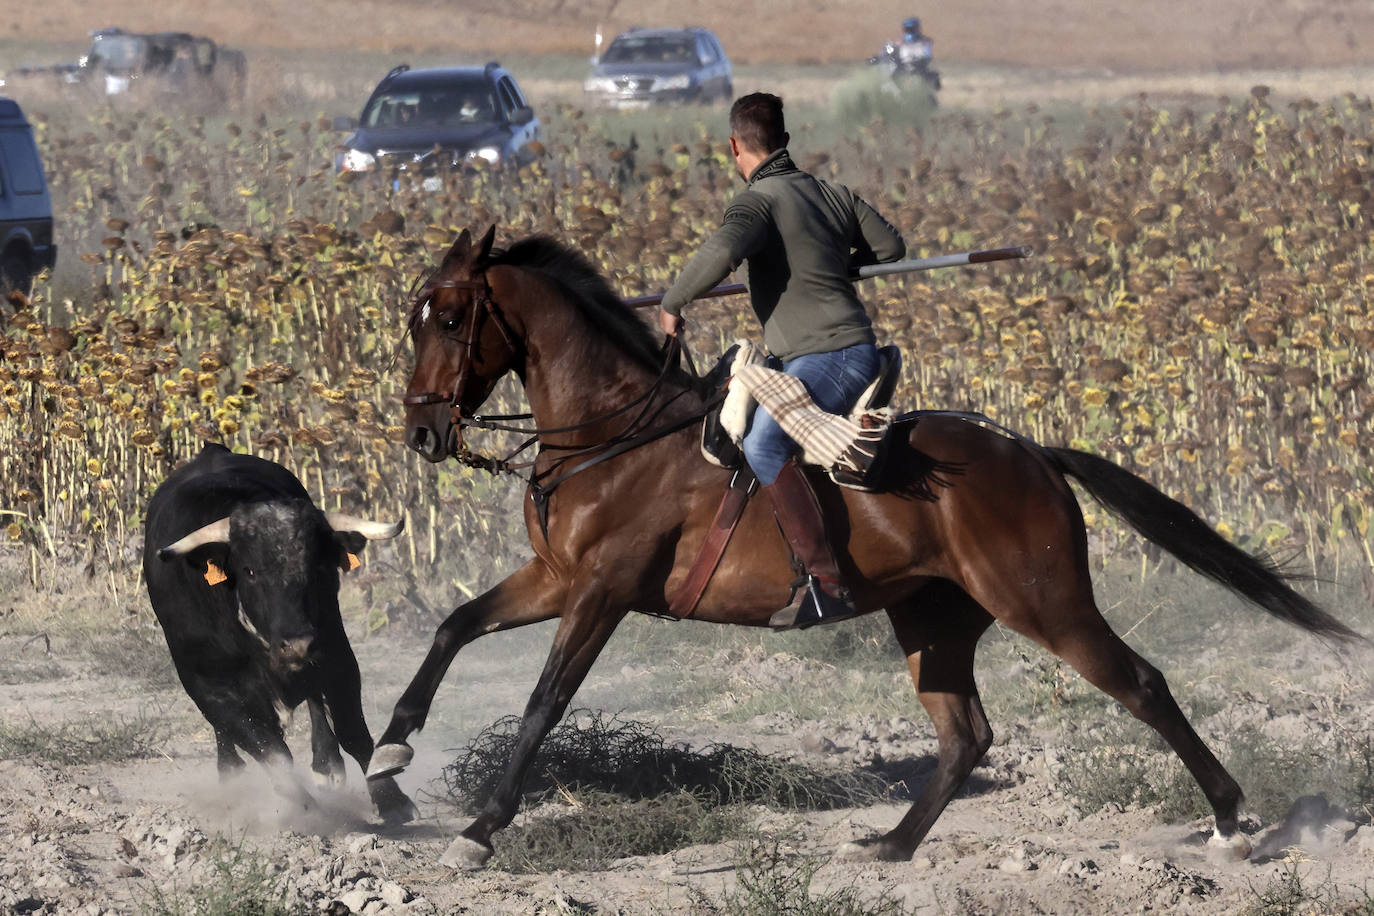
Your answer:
<point x="213" y="533"/>
<point x="373" y="531"/>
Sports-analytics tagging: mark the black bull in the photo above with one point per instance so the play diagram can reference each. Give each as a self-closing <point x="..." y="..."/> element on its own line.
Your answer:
<point x="243" y="574"/>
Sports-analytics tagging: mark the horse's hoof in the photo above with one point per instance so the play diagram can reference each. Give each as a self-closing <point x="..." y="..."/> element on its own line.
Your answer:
<point x="873" y="850"/>
<point x="393" y="806"/>
<point x="388" y="760"/>
<point x="1232" y="848"/>
<point x="403" y="812"/>
<point x="464" y="854"/>
<point x="327" y="780"/>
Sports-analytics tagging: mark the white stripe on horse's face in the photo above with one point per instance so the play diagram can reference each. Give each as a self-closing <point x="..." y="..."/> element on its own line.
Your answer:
<point x="424" y="313"/>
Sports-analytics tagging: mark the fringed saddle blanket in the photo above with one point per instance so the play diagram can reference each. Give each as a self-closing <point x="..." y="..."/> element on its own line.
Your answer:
<point x="829" y="441"/>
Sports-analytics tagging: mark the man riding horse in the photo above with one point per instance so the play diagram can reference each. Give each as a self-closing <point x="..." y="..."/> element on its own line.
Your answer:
<point x="800" y="236"/>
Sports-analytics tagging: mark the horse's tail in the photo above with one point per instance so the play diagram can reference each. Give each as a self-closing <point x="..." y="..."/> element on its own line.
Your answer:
<point x="1175" y="527"/>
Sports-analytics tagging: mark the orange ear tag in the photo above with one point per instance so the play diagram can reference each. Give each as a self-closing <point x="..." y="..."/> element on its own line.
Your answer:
<point x="213" y="574"/>
<point x="353" y="562"/>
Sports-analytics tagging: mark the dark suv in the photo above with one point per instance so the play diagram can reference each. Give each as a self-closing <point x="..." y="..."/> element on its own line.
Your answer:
<point x="427" y="120"/>
<point x="26" y="244"/>
<point x="646" y="66"/>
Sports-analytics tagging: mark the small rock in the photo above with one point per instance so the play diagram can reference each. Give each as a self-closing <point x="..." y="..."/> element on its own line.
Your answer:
<point x="1016" y="864"/>
<point x="921" y="863"/>
<point x="393" y="894"/>
<point x="124" y="870"/>
<point x="1364" y="839"/>
<point x="913" y="896"/>
<point x="813" y="743"/>
<point x="1338" y="831"/>
<point x="1077" y="866"/>
<point x="359" y="844"/>
<point x="356" y="901"/>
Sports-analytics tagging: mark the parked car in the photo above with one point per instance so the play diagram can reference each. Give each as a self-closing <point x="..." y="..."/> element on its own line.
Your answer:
<point x="643" y="67"/>
<point x="157" y="67"/>
<point x="425" y="121"/>
<point x="26" y="244"/>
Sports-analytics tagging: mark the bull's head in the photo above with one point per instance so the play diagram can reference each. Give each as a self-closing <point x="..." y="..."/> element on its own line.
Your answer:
<point x="282" y="560"/>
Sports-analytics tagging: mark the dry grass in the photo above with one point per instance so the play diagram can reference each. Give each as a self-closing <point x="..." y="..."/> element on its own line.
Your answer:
<point x="95" y="740"/>
<point x="241" y="882"/>
<point x="770" y="883"/>
<point x="589" y="831"/>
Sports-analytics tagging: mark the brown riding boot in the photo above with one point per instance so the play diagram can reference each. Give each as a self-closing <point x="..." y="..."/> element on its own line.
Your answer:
<point x="822" y="598"/>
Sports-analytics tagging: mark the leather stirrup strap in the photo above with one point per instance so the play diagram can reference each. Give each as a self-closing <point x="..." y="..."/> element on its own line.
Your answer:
<point x="685" y="599"/>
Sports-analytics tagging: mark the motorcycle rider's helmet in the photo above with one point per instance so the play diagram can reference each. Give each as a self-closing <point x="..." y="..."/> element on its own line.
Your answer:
<point x="911" y="27"/>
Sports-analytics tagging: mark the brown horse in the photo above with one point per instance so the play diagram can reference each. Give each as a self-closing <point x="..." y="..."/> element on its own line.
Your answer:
<point x="973" y="526"/>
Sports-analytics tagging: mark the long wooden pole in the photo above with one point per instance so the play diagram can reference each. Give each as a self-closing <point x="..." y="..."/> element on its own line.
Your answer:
<point x="872" y="270"/>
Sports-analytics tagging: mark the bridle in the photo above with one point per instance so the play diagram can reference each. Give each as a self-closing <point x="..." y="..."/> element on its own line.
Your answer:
<point x="482" y="305"/>
<point x="543" y="483"/>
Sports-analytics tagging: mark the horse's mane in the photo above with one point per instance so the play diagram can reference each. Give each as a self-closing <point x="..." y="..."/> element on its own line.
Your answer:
<point x="573" y="274"/>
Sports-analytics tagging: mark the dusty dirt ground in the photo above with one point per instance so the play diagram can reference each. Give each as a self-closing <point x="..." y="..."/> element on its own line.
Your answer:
<point x="84" y="836"/>
<point x="128" y="835"/>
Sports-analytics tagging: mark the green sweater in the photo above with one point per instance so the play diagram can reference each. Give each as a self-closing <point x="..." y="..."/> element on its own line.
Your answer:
<point x="800" y="236"/>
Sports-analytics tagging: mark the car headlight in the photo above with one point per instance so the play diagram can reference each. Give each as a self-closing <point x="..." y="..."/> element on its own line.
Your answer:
<point x="489" y="153"/>
<point x="681" y="81"/>
<point x="599" y="84"/>
<point x="355" y="160"/>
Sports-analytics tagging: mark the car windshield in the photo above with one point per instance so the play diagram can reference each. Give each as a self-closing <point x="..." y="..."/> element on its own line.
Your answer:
<point x="651" y="50"/>
<point x="117" y="52"/>
<point x="439" y="106"/>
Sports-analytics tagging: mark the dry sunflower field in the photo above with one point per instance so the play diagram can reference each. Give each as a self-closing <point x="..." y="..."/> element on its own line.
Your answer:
<point x="1198" y="309"/>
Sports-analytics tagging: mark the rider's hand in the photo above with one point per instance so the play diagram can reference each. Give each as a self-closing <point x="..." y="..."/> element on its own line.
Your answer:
<point x="670" y="323"/>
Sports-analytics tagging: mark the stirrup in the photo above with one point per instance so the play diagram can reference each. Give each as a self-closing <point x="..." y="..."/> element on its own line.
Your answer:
<point x="812" y="605"/>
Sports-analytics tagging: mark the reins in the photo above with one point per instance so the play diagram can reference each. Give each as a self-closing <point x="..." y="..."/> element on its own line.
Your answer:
<point x="541" y="485"/>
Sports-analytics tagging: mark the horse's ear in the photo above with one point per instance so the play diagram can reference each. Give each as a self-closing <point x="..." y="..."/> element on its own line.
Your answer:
<point x="484" y="249"/>
<point x="459" y="252"/>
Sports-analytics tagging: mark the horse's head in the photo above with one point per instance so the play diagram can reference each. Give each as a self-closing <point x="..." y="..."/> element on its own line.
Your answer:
<point x="463" y="345"/>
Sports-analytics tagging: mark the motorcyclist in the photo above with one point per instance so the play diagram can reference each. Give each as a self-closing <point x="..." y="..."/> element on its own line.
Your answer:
<point x="915" y="50"/>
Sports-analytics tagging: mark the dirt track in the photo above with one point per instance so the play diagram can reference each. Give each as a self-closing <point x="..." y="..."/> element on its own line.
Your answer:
<point x="1163" y="36"/>
<point x="112" y="837"/>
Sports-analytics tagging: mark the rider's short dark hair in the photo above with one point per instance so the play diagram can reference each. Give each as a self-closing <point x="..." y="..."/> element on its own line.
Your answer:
<point x="756" y="122"/>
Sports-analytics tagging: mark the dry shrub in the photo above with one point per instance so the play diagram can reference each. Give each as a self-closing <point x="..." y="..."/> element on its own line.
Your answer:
<point x="594" y="752"/>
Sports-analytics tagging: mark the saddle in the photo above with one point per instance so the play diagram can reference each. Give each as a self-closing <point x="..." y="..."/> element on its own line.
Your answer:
<point x="851" y="450"/>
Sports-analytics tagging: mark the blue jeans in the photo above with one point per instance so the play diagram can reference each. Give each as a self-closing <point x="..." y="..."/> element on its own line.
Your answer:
<point x="834" y="380"/>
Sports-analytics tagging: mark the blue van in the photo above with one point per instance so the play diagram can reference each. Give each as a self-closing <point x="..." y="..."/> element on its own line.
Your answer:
<point x="26" y="242"/>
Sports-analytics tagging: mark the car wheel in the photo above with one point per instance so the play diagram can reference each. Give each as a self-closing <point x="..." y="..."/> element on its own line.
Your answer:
<point x="15" y="275"/>
<point x="727" y="94"/>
